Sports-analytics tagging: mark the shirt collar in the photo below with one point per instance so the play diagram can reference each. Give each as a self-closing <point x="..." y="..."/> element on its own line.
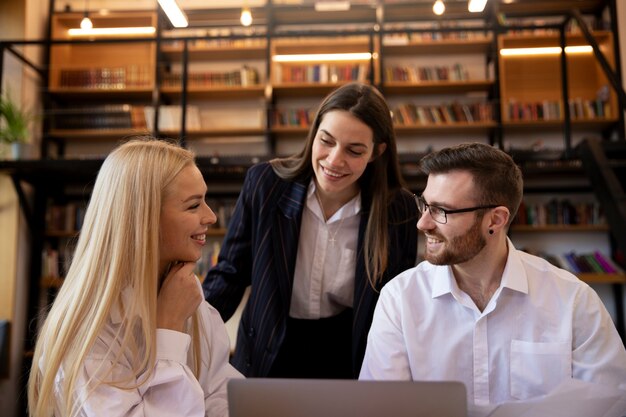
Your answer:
<point x="513" y="277"/>
<point x="351" y="208"/>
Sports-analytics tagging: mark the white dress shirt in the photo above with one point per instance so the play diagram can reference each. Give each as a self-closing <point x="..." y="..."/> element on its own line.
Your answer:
<point x="542" y="326"/>
<point x="323" y="284"/>
<point x="172" y="390"/>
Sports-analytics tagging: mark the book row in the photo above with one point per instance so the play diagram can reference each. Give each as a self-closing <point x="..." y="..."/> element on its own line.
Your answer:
<point x="299" y="117"/>
<point x="244" y="77"/>
<point x="65" y="217"/>
<point x="322" y="73"/>
<point x="106" y="78"/>
<point x="585" y="263"/>
<point x="223" y="209"/>
<point x="456" y="72"/>
<point x="406" y="38"/>
<point x="410" y="114"/>
<point x="112" y="116"/>
<point x="560" y="212"/>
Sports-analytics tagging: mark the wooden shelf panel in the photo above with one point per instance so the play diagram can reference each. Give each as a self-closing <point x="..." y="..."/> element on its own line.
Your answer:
<point x="530" y="40"/>
<point x="217" y="232"/>
<point x="440" y="47"/>
<point x="103" y="134"/>
<point x="591" y="278"/>
<point x="599" y="123"/>
<point x="223" y="132"/>
<point x="216" y="53"/>
<point x="95" y="94"/>
<point x="559" y="228"/>
<point x="304" y="89"/>
<point x="51" y="282"/>
<point x="61" y="233"/>
<point x="290" y="130"/>
<point x="321" y="45"/>
<point x="437" y="87"/>
<point x="218" y="92"/>
<point x="477" y="127"/>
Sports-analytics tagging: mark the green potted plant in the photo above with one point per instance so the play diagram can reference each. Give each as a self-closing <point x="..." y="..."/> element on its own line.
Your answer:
<point x="14" y="123"/>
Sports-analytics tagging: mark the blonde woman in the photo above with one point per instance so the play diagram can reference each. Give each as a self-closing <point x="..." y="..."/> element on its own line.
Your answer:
<point x="129" y="333"/>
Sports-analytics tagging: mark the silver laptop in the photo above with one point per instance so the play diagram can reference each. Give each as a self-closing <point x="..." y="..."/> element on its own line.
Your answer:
<point x="269" y="397"/>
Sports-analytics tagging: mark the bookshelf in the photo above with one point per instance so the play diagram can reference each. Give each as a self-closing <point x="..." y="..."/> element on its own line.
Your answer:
<point x="224" y="95"/>
<point x="97" y="87"/>
<point x="267" y="113"/>
<point x="531" y="84"/>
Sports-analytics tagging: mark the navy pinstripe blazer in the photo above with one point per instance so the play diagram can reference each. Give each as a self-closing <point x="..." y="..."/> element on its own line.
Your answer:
<point x="260" y="249"/>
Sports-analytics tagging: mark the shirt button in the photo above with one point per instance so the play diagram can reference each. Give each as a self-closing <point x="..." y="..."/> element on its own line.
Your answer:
<point x="251" y="332"/>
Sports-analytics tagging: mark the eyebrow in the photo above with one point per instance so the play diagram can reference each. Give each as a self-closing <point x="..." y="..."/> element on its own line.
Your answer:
<point x="349" y="144"/>
<point x="194" y="197"/>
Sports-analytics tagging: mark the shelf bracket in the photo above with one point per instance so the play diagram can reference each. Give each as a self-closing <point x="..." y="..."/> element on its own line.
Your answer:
<point x="22" y="58"/>
<point x="24" y="204"/>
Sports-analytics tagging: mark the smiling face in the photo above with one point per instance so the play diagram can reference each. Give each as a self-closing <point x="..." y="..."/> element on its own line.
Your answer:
<point x="461" y="238"/>
<point x="185" y="218"/>
<point x="342" y="148"/>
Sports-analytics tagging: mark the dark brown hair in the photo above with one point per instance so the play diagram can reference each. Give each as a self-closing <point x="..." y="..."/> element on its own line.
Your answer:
<point x="497" y="179"/>
<point x="382" y="177"/>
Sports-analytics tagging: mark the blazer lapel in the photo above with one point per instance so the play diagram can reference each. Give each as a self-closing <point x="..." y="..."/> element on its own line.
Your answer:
<point x="285" y="236"/>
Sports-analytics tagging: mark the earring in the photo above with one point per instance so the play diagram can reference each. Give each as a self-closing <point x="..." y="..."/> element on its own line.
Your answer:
<point x="490" y="231"/>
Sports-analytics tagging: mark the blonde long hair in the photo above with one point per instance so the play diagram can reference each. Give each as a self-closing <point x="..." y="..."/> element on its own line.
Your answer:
<point x="118" y="249"/>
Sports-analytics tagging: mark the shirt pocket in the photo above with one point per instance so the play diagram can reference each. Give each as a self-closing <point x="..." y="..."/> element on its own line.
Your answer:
<point x="538" y="367"/>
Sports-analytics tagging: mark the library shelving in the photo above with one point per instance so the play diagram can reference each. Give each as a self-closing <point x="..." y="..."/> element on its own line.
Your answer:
<point x="531" y="81"/>
<point x="224" y="92"/>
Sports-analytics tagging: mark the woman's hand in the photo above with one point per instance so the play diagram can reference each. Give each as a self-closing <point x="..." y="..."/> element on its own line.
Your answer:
<point x="178" y="298"/>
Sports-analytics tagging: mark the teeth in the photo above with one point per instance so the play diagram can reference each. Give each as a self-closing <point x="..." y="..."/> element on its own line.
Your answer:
<point x="331" y="173"/>
<point x="201" y="237"/>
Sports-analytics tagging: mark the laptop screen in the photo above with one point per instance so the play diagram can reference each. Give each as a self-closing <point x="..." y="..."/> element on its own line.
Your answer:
<point x="269" y="397"/>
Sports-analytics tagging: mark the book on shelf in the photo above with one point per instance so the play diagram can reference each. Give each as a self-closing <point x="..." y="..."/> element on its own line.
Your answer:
<point x="223" y="209"/>
<point x="106" y="78"/>
<point x="580" y="263"/>
<point x="65" y="217"/>
<point x="408" y="114"/>
<point x="594" y="262"/>
<point x="296" y="117"/>
<point x="560" y="212"/>
<point x="321" y="73"/>
<point x="98" y="117"/>
<point x="245" y="76"/>
<point x="416" y="74"/>
<point x="208" y="259"/>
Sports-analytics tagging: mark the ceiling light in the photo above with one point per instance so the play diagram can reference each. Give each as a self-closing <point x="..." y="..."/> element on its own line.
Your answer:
<point x="551" y="50"/>
<point x="357" y="56"/>
<point x="174" y="13"/>
<point x="86" y="23"/>
<point x="121" y="31"/>
<point x="332" y="6"/>
<point x="246" y="17"/>
<point x="476" y="6"/>
<point x="439" y="7"/>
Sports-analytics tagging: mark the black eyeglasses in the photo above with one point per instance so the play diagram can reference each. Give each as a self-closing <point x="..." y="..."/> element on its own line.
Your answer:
<point x="440" y="215"/>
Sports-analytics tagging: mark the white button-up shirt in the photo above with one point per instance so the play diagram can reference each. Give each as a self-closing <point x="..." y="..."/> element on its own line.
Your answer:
<point x="323" y="284"/>
<point x="542" y="326"/>
<point x="172" y="390"/>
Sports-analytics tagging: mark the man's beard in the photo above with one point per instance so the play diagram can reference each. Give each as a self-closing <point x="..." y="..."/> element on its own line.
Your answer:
<point x="461" y="248"/>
